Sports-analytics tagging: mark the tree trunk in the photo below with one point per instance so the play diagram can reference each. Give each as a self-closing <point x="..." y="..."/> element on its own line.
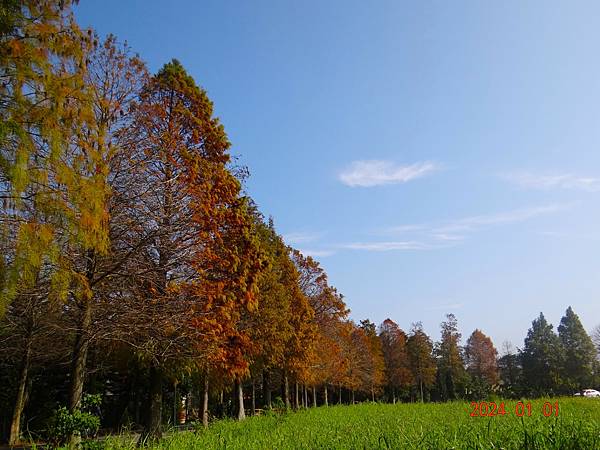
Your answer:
<point x="137" y="406"/>
<point x="189" y="401"/>
<point x="267" y="389"/>
<point x="79" y="357"/>
<point x="153" y="428"/>
<point x="156" y="400"/>
<point x="372" y="395"/>
<point x="205" y="401"/>
<point x="305" y="399"/>
<point x="314" y="389"/>
<point x="353" y="396"/>
<point x="325" y="400"/>
<point x="340" y="396"/>
<point x="241" y="413"/>
<point x="82" y="339"/>
<point x="421" y="386"/>
<point x="296" y="399"/>
<point x="253" y="398"/>
<point x="15" y="425"/>
<point x="175" y="404"/>
<point x="286" y="390"/>
<point x="79" y="362"/>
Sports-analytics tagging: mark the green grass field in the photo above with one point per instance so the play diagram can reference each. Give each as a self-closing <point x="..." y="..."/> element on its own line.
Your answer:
<point x="402" y="426"/>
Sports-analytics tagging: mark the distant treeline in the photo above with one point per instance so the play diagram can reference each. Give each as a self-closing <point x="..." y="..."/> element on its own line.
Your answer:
<point x="139" y="283"/>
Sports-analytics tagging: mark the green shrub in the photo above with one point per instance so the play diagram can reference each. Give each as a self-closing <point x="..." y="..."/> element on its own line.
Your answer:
<point x="84" y="423"/>
<point x="93" y="445"/>
<point x="278" y="403"/>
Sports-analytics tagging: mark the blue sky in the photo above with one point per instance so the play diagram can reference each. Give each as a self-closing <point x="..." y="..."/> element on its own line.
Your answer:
<point x="434" y="156"/>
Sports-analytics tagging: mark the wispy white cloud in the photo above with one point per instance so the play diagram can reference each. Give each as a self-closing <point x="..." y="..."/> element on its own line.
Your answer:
<point x="316" y="253"/>
<point x="301" y="237"/>
<point x="504" y="218"/>
<point x="430" y="236"/>
<point x="448" y="237"/>
<point x="553" y="181"/>
<point x="385" y="246"/>
<point x="425" y="236"/>
<point x="574" y="234"/>
<point x="377" y="172"/>
<point x="406" y="228"/>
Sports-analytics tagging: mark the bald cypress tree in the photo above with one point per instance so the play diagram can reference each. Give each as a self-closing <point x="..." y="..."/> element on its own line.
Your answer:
<point x="422" y="362"/>
<point x="51" y="176"/>
<point x="397" y="367"/>
<point x="481" y="358"/>
<point x="197" y="273"/>
<point x="45" y="109"/>
<point x="579" y="353"/>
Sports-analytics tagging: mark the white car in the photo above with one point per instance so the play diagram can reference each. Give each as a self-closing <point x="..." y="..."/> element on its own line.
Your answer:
<point x="590" y="393"/>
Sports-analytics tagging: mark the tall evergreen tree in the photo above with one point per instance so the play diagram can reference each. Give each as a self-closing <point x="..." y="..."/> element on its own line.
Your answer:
<point x="541" y="358"/>
<point x="450" y="366"/>
<point x="579" y="352"/>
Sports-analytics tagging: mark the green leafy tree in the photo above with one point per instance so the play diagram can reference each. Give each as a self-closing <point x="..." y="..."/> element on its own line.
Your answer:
<point x="422" y="363"/>
<point x="509" y="370"/>
<point x="579" y="352"/>
<point x="451" y="374"/>
<point x="329" y="361"/>
<point x="281" y="327"/>
<point x="596" y="340"/>
<point x="542" y="358"/>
